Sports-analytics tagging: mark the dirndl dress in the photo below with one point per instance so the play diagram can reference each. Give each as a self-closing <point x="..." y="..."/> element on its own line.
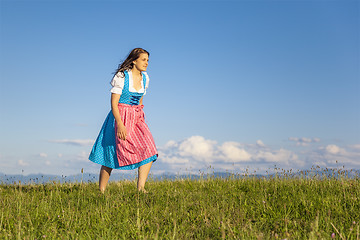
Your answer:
<point x="139" y="147"/>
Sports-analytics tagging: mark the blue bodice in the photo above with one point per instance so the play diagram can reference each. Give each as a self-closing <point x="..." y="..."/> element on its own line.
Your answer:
<point x="131" y="98"/>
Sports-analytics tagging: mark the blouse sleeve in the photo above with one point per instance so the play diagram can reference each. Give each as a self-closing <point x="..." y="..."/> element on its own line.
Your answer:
<point x="147" y="81"/>
<point x="117" y="83"/>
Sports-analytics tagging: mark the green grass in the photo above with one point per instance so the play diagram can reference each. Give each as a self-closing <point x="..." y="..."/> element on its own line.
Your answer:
<point x="214" y="208"/>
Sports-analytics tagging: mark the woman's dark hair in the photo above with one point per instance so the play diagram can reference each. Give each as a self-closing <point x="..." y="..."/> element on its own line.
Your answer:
<point x="128" y="63"/>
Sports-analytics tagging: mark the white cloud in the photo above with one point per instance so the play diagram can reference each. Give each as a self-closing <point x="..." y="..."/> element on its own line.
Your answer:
<point x="170" y="144"/>
<point x="333" y="149"/>
<point x="197" y="152"/>
<point x="47" y="163"/>
<point x="355" y="146"/>
<point x="233" y="153"/>
<point x="295" y="139"/>
<point x="44" y="155"/>
<point x="260" y="143"/>
<point x="176" y="160"/>
<point x="304" y="141"/>
<point x="333" y="156"/>
<point x="22" y="163"/>
<point x="76" y="142"/>
<point x="197" y="147"/>
<point x="83" y="156"/>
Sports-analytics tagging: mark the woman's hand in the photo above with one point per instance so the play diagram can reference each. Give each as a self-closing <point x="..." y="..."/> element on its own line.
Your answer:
<point x="121" y="131"/>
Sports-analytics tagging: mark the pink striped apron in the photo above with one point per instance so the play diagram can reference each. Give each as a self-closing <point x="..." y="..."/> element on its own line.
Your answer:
<point x="139" y="144"/>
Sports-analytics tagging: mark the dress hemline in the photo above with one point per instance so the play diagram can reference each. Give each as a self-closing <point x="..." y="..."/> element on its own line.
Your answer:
<point x="131" y="166"/>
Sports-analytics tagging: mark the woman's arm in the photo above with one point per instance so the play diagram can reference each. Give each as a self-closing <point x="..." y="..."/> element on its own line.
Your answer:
<point x="121" y="130"/>
<point x="140" y="102"/>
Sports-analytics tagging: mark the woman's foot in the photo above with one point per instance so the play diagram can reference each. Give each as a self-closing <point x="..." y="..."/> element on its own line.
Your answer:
<point x="142" y="190"/>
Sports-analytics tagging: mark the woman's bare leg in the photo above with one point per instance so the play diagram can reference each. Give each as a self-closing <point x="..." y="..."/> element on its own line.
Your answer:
<point x="143" y="173"/>
<point x="104" y="177"/>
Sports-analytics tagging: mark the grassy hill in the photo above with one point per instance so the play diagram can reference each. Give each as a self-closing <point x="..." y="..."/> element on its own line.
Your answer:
<point x="211" y="208"/>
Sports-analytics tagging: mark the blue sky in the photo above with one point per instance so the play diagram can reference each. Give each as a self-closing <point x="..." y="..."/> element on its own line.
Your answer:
<point x="235" y="85"/>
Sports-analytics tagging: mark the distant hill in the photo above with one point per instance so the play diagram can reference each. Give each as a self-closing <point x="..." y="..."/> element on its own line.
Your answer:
<point x="46" y="178"/>
<point x="91" y="177"/>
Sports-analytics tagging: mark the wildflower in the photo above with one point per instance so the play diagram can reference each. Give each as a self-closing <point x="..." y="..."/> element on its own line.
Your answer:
<point x="354" y="222"/>
<point x="333" y="235"/>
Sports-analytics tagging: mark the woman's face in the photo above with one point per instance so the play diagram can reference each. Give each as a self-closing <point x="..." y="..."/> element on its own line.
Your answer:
<point x="142" y="62"/>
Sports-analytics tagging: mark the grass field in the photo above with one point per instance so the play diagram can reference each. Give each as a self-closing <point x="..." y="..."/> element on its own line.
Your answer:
<point x="247" y="207"/>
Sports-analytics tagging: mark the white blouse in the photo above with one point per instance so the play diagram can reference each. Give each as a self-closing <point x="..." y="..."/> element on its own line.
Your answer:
<point x="117" y="83"/>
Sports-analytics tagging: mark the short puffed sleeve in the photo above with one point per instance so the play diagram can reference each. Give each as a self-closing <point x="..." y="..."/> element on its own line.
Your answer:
<point x="117" y="83"/>
<point x="147" y="81"/>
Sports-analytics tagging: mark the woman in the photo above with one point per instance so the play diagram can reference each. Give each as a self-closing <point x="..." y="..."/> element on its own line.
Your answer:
<point x="125" y="141"/>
